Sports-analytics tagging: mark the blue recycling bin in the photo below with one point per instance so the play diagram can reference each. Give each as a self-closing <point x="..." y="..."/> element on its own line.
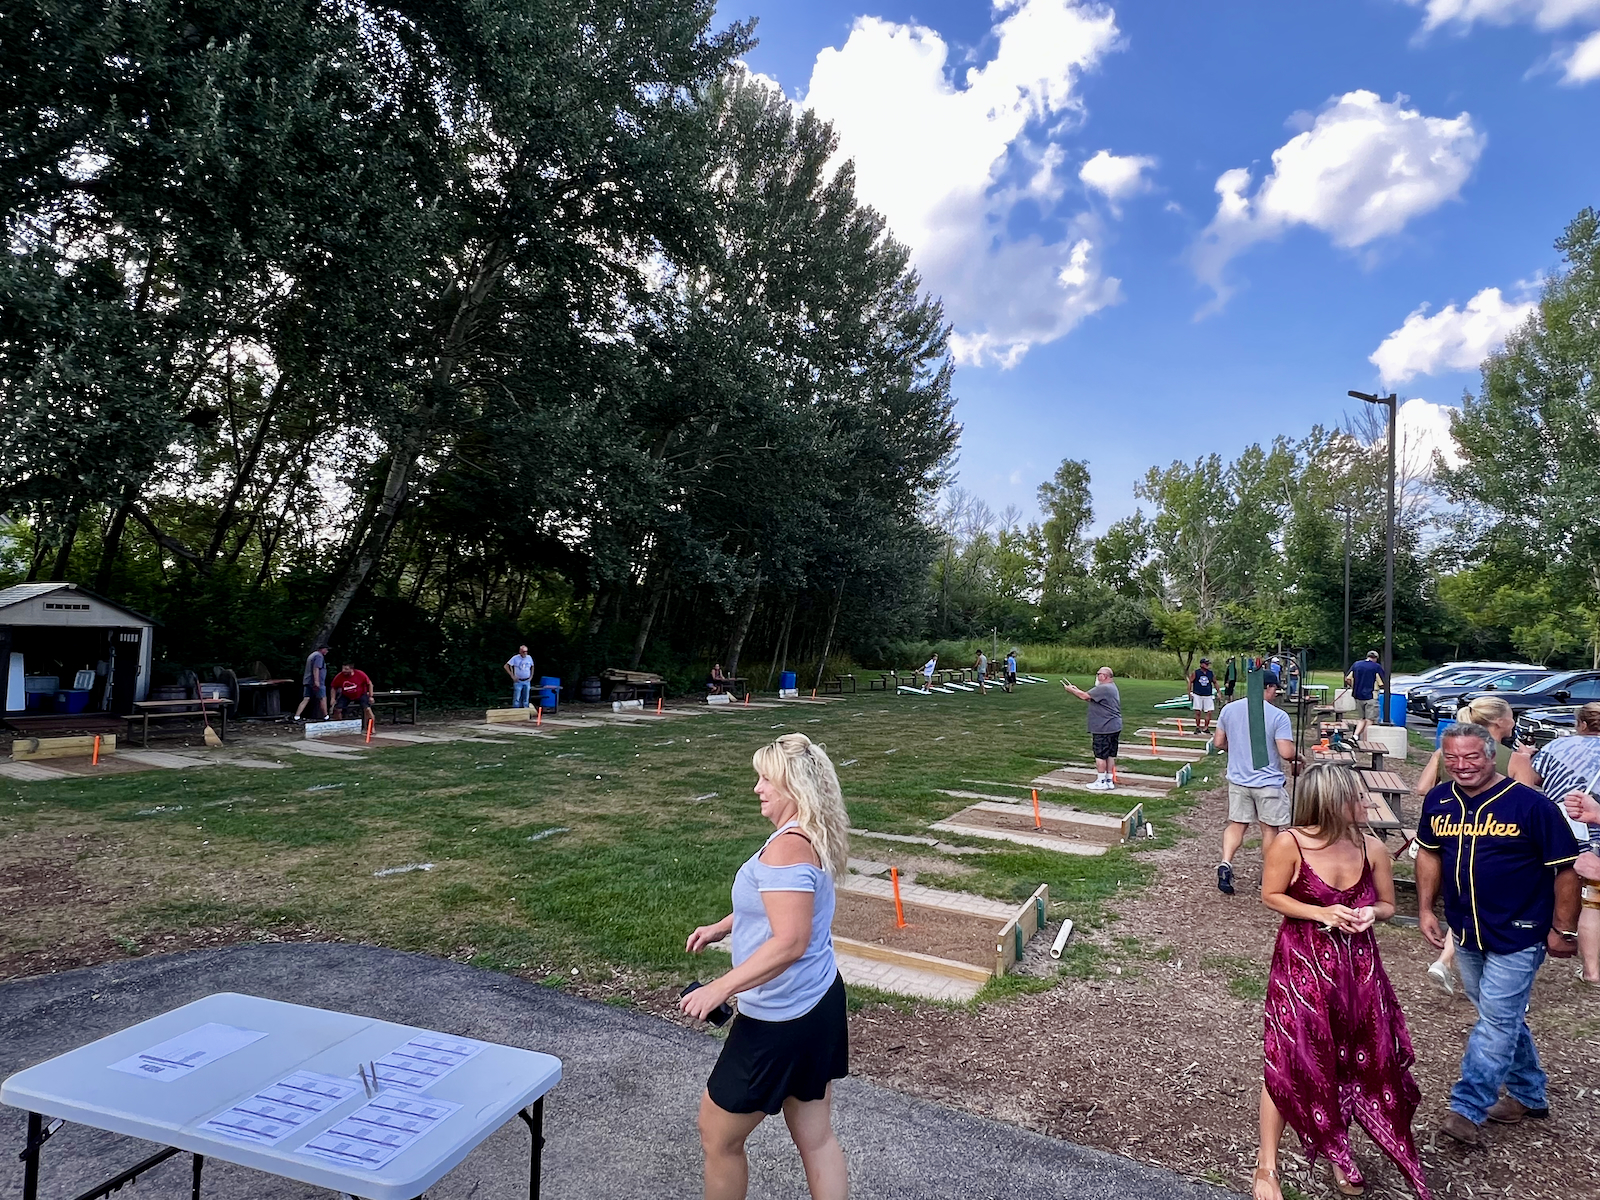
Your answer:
<point x="1438" y="735"/>
<point x="786" y="681"/>
<point x="1397" y="710"/>
<point x="549" y="691"/>
<point x="73" y="700"/>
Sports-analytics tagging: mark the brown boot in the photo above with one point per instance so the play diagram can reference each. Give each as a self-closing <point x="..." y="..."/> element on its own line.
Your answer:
<point x="1508" y="1110"/>
<point x="1458" y="1128"/>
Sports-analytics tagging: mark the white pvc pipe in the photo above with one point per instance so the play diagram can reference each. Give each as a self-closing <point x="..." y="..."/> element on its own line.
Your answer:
<point x="1061" y="938"/>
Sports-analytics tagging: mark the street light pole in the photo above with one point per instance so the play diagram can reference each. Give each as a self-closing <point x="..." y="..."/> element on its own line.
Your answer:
<point x="1390" y="402"/>
<point x="1345" y="511"/>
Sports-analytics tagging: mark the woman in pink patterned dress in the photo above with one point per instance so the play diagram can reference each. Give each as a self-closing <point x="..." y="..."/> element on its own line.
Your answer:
<point x="1336" y="1046"/>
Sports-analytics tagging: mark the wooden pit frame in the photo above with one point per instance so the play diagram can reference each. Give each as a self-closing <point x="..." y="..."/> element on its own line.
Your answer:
<point x="1014" y="934"/>
<point x="27" y="749"/>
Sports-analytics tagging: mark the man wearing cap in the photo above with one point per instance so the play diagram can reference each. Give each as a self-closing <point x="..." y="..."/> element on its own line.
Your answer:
<point x="1203" y="695"/>
<point x="1501" y="856"/>
<point x="1363" y="679"/>
<point x="1254" y="793"/>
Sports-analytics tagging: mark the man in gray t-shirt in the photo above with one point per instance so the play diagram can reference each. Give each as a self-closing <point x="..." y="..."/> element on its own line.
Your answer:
<point x="1105" y="726"/>
<point x="1255" y="794"/>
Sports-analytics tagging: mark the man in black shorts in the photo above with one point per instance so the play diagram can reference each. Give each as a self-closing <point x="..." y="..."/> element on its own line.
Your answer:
<point x="1105" y="727"/>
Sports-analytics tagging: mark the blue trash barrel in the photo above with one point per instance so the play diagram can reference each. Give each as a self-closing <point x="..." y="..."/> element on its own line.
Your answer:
<point x="1397" y="710"/>
<point x="1438" y="737"/>
<point x="549" y="691"/>
<point x="72" y="700"/>
<point x="786" y="680"/>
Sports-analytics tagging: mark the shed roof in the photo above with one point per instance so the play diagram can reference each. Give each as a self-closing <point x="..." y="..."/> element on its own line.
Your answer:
<point x="23" y="592"/>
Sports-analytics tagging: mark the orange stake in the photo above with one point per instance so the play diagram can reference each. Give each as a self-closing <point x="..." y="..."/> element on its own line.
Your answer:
<point x="899" y="910"/>
<point x="1180" y="723"/>
<point x="659" y="700"/>
<point x="1113" y="772"/>
<point x="95" y="761"/>
<point x="1153" y="749"/>
<point x="1037" y="823"/>
<point x="538" y="715"/>
<point x="369" y="730"/>
<point x="747" y="699"/>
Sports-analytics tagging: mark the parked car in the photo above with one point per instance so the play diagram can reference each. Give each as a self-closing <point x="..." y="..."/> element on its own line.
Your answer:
<point x="1434" y="701"/>
<point x="1566" y="687"/>
<point x="1404" y="683"/>
<point x="1541" y="726"/>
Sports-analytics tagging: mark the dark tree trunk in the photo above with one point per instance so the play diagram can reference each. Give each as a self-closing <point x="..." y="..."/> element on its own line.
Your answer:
<point x="69" y="536"/>
<point x="741" y="628"/>
<point x="827" y="642"/>
<point x="780" y="656"/>
<point x="112" y="545"/>
<point x="244" y="472"/>
<point x="647" y="620"/>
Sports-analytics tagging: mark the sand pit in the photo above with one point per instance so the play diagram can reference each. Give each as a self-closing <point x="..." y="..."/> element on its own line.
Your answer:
<point x="938" y="932"/>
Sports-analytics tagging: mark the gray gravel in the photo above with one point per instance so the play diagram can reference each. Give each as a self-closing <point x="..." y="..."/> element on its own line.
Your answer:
<point x="620" y="1125"/>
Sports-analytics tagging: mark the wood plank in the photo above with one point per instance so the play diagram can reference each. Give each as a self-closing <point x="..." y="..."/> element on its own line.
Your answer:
<point x="910" y="958"/>
<point x="31" y="749"/>
<point x="1038" y="841"/>
<point x="507" y="716"/>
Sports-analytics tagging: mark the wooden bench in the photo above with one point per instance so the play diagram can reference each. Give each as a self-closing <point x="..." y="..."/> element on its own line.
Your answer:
<point x="836" y="684"/>
<point x="396" y="702"/>
<point x="186" y="710"/>
<point x="1389" y="790"/>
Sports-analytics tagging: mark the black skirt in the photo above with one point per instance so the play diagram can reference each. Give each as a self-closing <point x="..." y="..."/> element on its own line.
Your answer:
<point x="763" y="1063"/>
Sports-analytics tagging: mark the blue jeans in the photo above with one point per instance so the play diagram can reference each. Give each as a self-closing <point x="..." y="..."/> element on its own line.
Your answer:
<point x="1500" y="1048"/>
<point x="519" y="692"/>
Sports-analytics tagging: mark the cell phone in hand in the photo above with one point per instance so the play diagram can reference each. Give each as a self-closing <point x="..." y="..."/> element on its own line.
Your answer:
<point x="720" y="1015"/>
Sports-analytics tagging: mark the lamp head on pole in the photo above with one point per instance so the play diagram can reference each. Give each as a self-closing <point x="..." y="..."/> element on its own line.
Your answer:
<point x="1388" y="401"/>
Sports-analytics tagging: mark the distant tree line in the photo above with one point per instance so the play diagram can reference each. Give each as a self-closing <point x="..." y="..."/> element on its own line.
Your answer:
<point x="428" y="328"/>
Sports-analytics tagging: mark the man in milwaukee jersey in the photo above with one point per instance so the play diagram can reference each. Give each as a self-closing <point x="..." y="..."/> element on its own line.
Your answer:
<point x="1501" y="855"/>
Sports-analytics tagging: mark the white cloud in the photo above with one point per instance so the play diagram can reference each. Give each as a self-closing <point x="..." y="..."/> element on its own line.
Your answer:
<point x="1582" y="64"/>
<point x="940" y="162"/>
<point x="1452" y="339"/>
<point x="1360" y="170"/>
<point x="1545" y="14"/>
<point x="1117" y="177"/>
<point x="1424" y="427"/>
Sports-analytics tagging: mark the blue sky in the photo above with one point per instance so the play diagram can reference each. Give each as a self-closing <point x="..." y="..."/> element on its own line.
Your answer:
<point x="1150" y="305"/>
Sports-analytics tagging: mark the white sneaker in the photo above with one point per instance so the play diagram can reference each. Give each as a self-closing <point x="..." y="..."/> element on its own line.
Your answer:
<point x="1099" y="785"/>
<point x="1442" y="978"/>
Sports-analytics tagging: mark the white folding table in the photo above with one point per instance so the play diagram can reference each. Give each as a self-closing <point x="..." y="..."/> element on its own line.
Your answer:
<point x="491" y="1086"/>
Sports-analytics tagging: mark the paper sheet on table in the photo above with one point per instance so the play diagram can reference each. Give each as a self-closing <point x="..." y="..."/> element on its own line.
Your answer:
<point x="376" y="1132"/>
<point x="424" y="1060"/>
<point x="275" y="1112"/>
<point x="175" y="1058"/>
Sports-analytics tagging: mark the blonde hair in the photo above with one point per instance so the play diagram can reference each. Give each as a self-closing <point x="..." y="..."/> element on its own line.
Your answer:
<point x="1589" y="718"/>
<point x="1322" y="801"/>
<point x="1487" y="711"/>
<point x="803" y="769"/>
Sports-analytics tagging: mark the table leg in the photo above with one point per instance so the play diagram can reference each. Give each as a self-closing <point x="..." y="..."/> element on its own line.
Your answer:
<point x="535" y="1123"/>
<point x="194" y="1186"/>
<point x="30" y="1157"/>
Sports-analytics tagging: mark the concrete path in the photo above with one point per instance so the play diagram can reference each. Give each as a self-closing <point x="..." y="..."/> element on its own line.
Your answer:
<point x="620" y="1125"/>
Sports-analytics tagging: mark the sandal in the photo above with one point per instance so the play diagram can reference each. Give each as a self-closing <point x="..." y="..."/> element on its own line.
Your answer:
<point x="1351" y="1185"/>
<point x="1269" y="1176"/>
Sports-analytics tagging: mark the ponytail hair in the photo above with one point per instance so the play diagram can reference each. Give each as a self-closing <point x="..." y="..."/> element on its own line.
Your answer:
<point x="1487" y="711"/>
<point x="802" y="768"/>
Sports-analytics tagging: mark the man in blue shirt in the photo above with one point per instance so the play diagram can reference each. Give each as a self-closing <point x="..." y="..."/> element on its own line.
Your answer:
<point x="1203" y="695"/>
<point x="1363" y="679"/>
<point x="1500" y="854"/>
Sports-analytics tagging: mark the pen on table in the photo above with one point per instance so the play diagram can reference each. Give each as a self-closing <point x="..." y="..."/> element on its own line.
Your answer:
<point x="362" y="1067"/>
<point x="373" y="1068"/>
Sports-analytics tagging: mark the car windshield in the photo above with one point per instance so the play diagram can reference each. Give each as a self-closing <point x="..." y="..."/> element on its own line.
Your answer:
<point x="1553" y="682"/>
<point x="1517" y="680"/>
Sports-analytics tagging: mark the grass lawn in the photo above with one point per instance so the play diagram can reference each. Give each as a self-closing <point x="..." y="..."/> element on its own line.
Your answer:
<point x="652" y="824"/>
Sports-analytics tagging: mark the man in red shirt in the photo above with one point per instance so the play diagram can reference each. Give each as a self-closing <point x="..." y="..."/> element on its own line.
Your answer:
<point x="350" y="688"/>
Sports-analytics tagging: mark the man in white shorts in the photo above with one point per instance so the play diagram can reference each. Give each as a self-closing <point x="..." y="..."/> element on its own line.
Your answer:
<point x="1203" y="695"/>
<point x="1254" y="793"/>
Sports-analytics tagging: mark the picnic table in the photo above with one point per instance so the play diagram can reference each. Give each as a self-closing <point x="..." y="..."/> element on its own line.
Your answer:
<point x="396" y="702"/>
<point x="1376" y="751"/>
<point x="262" y="698"/>
<point x="273" y="1086"/>
<point x="836" y="684"/>
<point x="166" y="710"/>
<point x="1388" y="790"/>
<point x="626" y="685"/>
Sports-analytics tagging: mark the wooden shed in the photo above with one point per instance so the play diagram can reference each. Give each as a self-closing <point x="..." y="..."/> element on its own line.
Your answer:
<point x="71" y="651"/>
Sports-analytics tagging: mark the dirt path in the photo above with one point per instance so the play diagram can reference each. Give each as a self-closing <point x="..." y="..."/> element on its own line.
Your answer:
<point x="1160" y="1057"/>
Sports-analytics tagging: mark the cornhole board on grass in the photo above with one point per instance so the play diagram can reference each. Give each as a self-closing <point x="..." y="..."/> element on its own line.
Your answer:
<point x="506" y="716"/>
<point x="1129" y="783"/>
<point x="1063" y="829"/>
<point x="945" y="940"/>
<point x="32" y="749"/>
<point x="318" y="730"/>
